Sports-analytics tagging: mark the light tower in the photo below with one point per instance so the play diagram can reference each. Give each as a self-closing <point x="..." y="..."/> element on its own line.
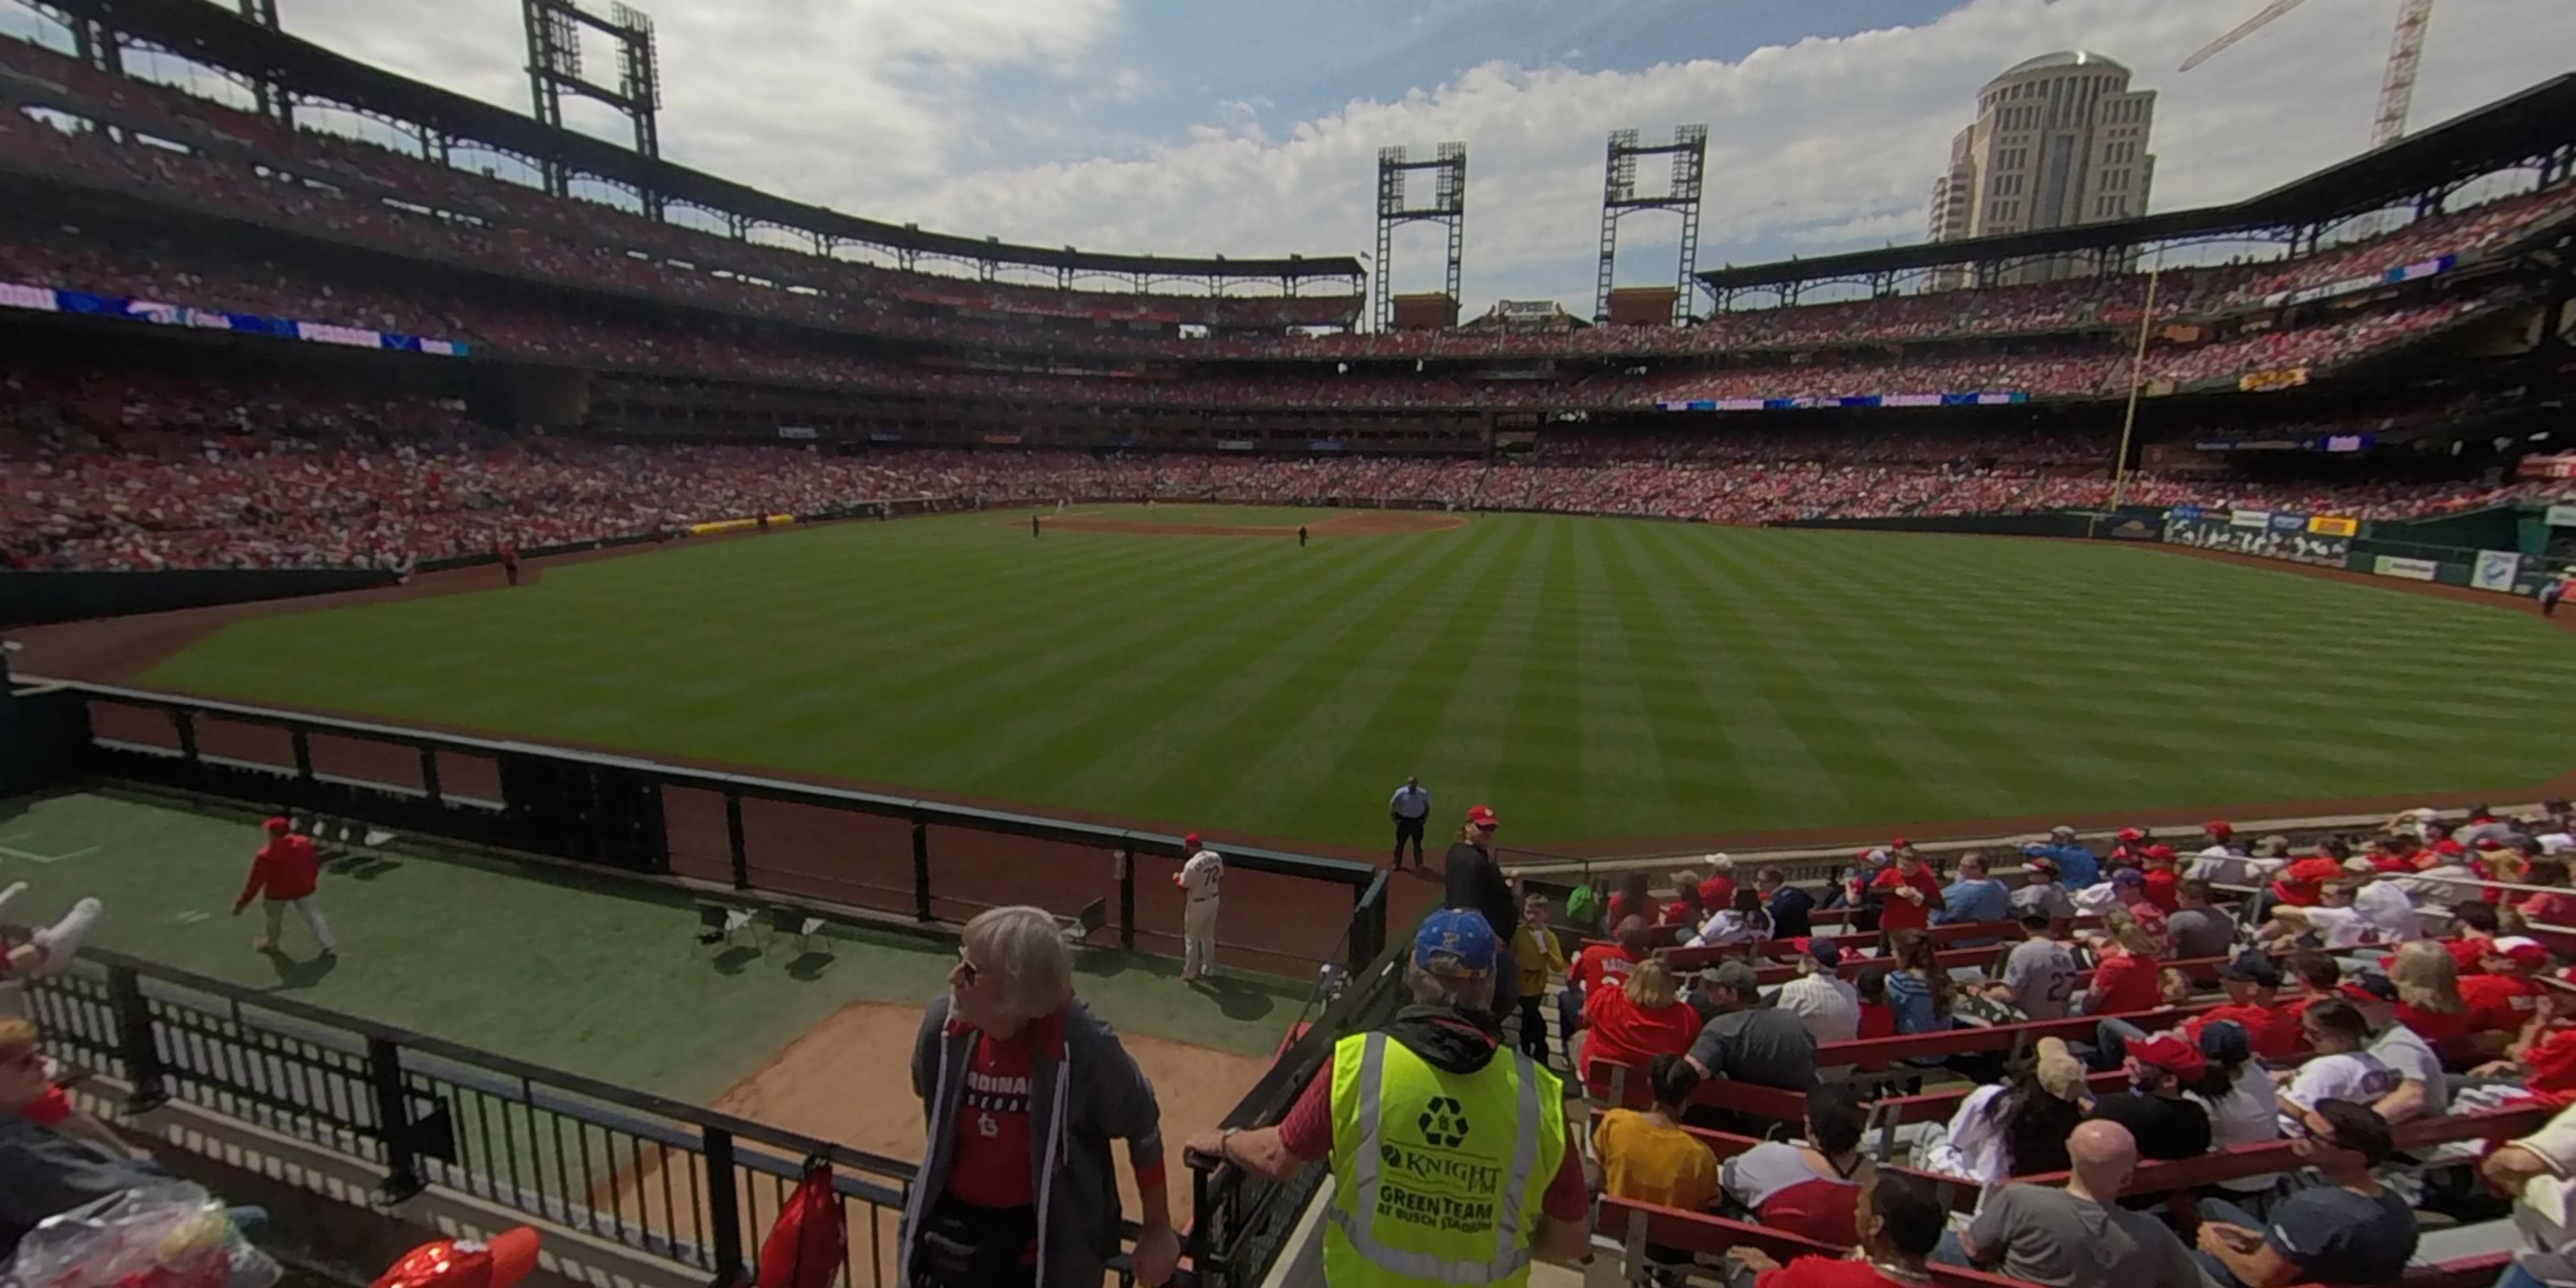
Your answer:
<point x="1448" y="207"/>
<point x="1619" y="199"/>
<point x="554" y="70"/>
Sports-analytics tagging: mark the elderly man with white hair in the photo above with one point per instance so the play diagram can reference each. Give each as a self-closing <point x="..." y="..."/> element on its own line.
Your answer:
<point x="1022" y="1089"/>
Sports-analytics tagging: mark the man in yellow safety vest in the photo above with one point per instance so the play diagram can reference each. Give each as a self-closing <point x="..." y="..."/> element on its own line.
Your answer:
<point x="1452" y="1159"/>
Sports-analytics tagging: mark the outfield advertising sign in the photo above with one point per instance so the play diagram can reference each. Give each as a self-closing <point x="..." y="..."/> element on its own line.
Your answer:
<point x="2271" y="534"/>
<point x="2495" y="570"/>
<point x="2400" y="566"/>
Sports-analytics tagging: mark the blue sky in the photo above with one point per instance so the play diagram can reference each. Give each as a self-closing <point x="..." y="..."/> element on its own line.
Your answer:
<point x="1251" y="126"/>
<point x="1294" y="62"/>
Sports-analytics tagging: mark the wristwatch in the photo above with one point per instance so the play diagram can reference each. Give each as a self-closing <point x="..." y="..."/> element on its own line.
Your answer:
<point x="1225" y="1144"/>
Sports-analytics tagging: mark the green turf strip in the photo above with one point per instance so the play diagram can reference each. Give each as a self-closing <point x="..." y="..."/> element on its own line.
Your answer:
<point x="1590" y="678"/>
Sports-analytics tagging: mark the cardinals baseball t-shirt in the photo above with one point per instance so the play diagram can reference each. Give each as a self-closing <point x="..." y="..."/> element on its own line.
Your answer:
<point x="993" y="1166"/>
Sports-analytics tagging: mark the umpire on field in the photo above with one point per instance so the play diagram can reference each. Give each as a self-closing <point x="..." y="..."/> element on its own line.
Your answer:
<point x="1409" y="807"/>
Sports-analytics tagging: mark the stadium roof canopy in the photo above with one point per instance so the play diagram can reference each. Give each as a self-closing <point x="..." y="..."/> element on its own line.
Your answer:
<point x="218" y="37"/>
<point x="2503" y="134"/>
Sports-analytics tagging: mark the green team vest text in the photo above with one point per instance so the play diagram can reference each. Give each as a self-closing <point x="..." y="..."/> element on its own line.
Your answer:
<point x="1437" y="1176"/>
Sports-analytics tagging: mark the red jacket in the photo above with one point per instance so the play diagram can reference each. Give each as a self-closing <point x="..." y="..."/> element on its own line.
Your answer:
<point x="285" y="868"/>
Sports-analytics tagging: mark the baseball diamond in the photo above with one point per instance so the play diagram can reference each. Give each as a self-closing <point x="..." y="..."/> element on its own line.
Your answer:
<point x="1601" y="680"/>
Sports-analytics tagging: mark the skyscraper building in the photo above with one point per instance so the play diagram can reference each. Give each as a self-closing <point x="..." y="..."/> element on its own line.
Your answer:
<point x="2059" y="140"/>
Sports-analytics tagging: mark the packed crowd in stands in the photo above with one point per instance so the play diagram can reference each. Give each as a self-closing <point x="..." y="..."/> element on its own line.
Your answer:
<point x="2282" y="1016"/>
<point x="144" y="471"/>
<point x="2183" y="1060"/>
<point x="174" y="272"/>
<point x="321" y="182"/>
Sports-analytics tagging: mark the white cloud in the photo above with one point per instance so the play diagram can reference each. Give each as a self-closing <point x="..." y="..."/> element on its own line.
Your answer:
<point x="1812" y="146"/>
<point x="910" y="112"/>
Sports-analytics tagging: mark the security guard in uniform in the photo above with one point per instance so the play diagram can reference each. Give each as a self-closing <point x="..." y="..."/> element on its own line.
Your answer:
<point x="1452" y="1159"/>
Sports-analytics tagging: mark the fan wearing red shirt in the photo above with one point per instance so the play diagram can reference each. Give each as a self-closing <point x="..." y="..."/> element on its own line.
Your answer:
<point x="2499" y="1001"/>
<point x="2252" y="982"/>
<point x="1683" y="908"/>
<point x="1909" y="894"/>
<point x="1633" y="1023"/>
<point x="1633" y="899"/>
<point x="2302" y="884"/>
<point x="2398" y="854"/>
<point x="1717" y="893"/>
<point x="2124" y="980"/>
<point x="2161" y="878"/>
<point x="2548" y="1066"/>
<point x="1900" y="1222"/>
<point x="284" y="873"/>
<point x="1600" y="965"/>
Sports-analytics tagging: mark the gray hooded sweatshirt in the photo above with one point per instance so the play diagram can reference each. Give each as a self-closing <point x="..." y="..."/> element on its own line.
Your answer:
<point x="1080" y="1096"/>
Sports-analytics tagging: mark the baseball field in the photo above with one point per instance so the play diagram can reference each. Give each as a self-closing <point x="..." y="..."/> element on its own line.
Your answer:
<point x="1601" y="682"/>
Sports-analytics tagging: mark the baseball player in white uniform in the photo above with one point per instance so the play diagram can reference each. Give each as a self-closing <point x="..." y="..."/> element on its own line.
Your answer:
<point x="1198" y="880"/>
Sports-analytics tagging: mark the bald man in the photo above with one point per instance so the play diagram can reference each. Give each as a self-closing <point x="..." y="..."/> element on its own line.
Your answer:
<point x="2079" y="1236"/>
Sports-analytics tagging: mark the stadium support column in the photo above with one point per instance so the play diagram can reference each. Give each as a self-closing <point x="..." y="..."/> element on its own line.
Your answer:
<point x="554" y="30"/>
<point x="1448" y="207"/>
<point x="1619" y="199"/>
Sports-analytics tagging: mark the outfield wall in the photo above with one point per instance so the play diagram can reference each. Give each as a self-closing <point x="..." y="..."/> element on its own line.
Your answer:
<point x="40" y="598"/>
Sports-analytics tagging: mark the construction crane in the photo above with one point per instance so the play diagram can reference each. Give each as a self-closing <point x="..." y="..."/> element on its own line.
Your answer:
<point x="2396" y="86"/>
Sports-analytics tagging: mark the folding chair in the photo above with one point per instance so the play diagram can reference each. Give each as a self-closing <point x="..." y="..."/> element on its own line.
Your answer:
<point x="1078" y="929"/>
<point x="793" y="921"/>
<point x="718" y="923"/>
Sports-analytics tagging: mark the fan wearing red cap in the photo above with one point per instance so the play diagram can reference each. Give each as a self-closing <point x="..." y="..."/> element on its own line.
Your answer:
<point x="284" y="874"/>
<point x="2128" y="847"/>
<point x="2162" y="1066"/>
<point x="1474" y="880"/>
<point x="503" y="1260"/>
<point x="1199" y="879"/>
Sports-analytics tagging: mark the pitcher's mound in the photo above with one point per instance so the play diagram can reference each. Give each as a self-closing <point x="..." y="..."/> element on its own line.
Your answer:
<point x="1355" y="523"/>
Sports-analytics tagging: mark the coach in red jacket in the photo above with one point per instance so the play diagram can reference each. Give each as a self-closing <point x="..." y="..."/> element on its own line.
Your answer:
<point x="284" y="871"/>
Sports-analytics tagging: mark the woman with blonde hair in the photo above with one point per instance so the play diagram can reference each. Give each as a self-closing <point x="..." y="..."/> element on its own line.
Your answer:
<point x="2428" y="991"/>
<point x="1632" y="1024"/>
<point x="2125" y="977"/>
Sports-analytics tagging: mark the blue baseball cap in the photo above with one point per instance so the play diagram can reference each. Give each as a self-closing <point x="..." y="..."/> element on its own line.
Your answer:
<point x="1456" y="943"/>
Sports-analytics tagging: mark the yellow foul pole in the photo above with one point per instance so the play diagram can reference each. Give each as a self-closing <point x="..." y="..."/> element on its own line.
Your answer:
<point x="2137" y="379"/>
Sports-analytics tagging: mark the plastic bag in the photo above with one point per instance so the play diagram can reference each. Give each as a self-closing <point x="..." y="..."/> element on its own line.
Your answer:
<point x="167" y="1234"/>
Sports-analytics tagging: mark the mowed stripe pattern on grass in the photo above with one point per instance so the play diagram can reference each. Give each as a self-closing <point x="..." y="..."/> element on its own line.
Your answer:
<point x="1591" y="678"/>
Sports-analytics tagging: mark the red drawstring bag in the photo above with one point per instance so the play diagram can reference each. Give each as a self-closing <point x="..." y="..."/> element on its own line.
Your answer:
<point x="810" y="1239"/>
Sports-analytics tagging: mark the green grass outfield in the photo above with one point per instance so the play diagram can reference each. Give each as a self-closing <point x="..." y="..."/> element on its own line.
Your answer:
<point x="1592" y="678"/>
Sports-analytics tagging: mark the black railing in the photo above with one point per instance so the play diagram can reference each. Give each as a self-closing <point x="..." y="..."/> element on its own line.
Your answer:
<point x="909" y="857"/>
<point x="691" y="1186"/>
<point x="687" y="1185"/>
